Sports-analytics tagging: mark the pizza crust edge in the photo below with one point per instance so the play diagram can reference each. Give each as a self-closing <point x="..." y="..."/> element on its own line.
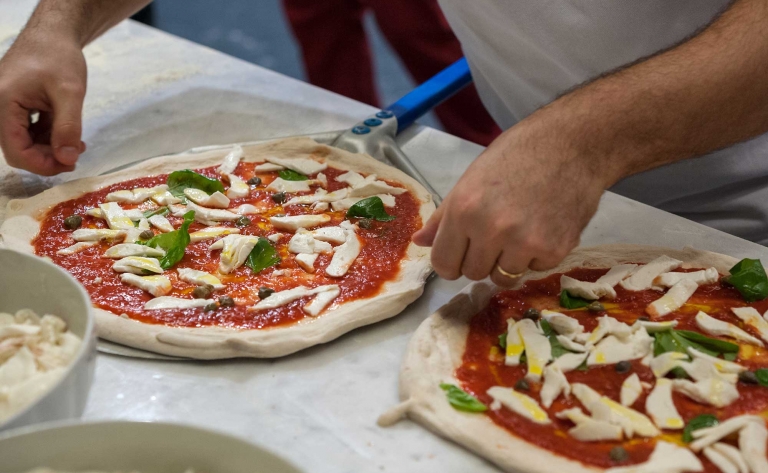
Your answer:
<point x="21" y="226"/>
<point x="437" y="347"/>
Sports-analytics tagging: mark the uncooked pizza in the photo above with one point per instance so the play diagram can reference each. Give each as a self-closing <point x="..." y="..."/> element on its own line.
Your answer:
<point x="622" y="359"/>
<point x="255" y="250"/>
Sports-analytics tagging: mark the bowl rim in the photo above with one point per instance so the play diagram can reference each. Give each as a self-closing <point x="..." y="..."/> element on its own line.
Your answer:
<point x="87" y="345"/>
<point x="79" y="423"/>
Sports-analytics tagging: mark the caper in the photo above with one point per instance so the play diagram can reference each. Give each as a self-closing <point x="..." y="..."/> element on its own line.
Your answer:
<point x="748" y="377"/>
<point x="618" y="454"/>
<point x="226" y="301"/>
<point x="279" y="197"/>
<point x="596" y="307"/>
<point x="365" y="223"/>
<point x="265" y="292"/>
<point x="243" y="222"/>
<point x="210" y="307"/>
<point x="522" y="385"/>
<point x="532" y="314"/>
<point x="73" y="222"/>
<point x="146" y="234"/>
<point x="623" y="367"/>
<point x="202" y="292"/>
<point x="254" y="181"/>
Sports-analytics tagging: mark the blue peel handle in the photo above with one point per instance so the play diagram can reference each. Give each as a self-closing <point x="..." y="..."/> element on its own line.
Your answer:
<point x="431" y="93"/>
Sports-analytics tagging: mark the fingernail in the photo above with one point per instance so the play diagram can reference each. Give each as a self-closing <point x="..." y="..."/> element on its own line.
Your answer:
<point x="68" y="155"/>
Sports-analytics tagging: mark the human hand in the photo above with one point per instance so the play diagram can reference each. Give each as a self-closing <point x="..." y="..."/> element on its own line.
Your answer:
<point x="42" y="72"/>
<point x="522" y="204"/>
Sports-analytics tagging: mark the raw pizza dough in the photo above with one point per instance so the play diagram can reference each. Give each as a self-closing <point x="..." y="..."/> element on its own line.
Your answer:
<point x="210" y="342"/>
<point x="437" y="347"/>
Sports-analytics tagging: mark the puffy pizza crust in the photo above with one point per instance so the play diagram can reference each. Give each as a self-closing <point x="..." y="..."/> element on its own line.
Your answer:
<point x="437" y="347"/>
<point x="22" y="224"/>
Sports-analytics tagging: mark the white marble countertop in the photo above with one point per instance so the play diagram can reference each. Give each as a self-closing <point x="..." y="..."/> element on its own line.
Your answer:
<point x="151" y="93"/>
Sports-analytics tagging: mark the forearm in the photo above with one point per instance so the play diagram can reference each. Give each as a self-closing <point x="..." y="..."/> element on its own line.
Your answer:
<point x="81" y="20"/>
<point x="705" y="94"/>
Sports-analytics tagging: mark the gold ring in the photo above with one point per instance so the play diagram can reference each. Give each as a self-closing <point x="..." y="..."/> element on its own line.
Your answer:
<point x="509" y="275"/>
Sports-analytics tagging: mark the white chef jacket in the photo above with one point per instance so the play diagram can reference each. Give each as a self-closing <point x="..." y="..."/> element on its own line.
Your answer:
<point x="525" y="53"/>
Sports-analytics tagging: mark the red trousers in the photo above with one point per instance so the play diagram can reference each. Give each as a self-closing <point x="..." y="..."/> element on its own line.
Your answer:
<point x="337" y="56"/>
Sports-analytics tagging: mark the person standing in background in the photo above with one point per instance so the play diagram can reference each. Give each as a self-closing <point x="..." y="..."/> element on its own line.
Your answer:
<point x="337" y="56"/>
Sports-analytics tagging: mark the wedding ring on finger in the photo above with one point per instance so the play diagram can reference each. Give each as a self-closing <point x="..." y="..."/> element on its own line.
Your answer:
<point x="508" y="274"/>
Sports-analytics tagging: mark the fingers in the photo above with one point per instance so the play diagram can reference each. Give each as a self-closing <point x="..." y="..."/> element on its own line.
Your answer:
<point x="512" y="262"/>
<point x="479" y="259"/>
<point x="426" y="236"/>
<point x="67" y="122"/>
<point x="450" y="246"/>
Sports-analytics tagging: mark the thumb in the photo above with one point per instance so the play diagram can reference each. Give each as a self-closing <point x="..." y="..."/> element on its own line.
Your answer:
<point x="426" y="236"/>
<point x="67" y="124"/>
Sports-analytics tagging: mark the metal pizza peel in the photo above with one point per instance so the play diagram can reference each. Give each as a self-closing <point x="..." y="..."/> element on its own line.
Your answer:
<point x="374" y="136"/>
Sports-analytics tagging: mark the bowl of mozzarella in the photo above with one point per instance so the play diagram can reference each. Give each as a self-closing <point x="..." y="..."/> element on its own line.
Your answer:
<point x="132" y="447"/>
<point x="47" y="342"/>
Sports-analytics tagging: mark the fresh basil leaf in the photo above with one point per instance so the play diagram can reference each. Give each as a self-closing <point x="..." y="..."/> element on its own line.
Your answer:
<point x="180" y="180"/>
<point x="749" y="278"/>
<point x="291" y="175"/>
<point x="571" y="302"/>
<point x="762" y="376"/>
<point x="262" y="256"/>
<point x="503" y="341"/>
<point x="558" y="349"/>
<point x="523" y="358"/>
<point x="161" y="211"/>
<point x="698" y="422"/>
<point x="719" y="346"/>
<point x="461" y="400"/>
<point x="174" y="243"/>
<point x="583" y="366"/>
<point x="730" y="356"/>
<point x="372" y="207"/>
<point x="664" y="342"/>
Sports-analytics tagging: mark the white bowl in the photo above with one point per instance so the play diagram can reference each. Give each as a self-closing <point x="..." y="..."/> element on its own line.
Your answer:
<point x="29" y="282"/>
<point x="133" y="446"/>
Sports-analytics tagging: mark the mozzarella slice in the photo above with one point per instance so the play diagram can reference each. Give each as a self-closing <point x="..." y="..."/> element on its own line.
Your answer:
<point x="666" y="362"/>
<point x="234" y="251"/>
<point x="612" y="350"/>
<point x="731" y="453"/>
<point x="722" y="462"/>
<point x="631" y="389"/>
<point x="143" y="224"/>
<point x="518" y="403"/>
<point x="604" y="408"/>
<point x="724" y="366"/>
<point x="134" y="214"/>
<point x="77" y="248"/>
<point x="609" y="326"/>
<point x="155" y="285"/>
<point x="370" y="188"/>
<point x="96" y="234"/>
<point x="752" y="439"/>
<point x="135" y="196"/>
<point x="209" y="217"/>
<point x="538" y="351"/>
<point x="294" y="222"/>
<point x="705" y="276"/>
<point x="123" y="250"/>
<point x="719" y="328"/>
<point x="307" y="261"/>
<point x="321" y="301"/>
<point x="217" y="200"/>
<point x="666" y="458"/>
<point x="304" y="242"/>
<point x="713" y="391"/>
<point x="319" y="196"/>
<point x="279" y="299"/>
<point x="161" y="223"/>
<point x="674" y="299"/>
<point x="562" y="324"/>
<point x="586" y="290"/>
<point x="642" y="279"/>
<point x="179" y="210"/>
<point x="165" y="198"/>
<point x="751" y="317"/>
<point x="268" y="167"/>
<point x="660" y="407"/>
<point x="616" y="274"/>
<point x="588" y="429"/>
<point x="199" y="278"/>
<point x="344" y="204"/>
<point x="281" y="185"/>
<point x="168" y="302"/>
<point x="231" y="160"/>
<point x="275" y="237"/>
<point x="212" y="232"/>
<point x="115" y="217"/>
<point x="569" y="361"/>
<point x="351" y="177"/>
<point x="306" y="166"/>
<point x="237" y="187"/>
<point x="345" y="254"/>
<point x="137" y="265"/>
<point x="515" y="347"/>
<point x="335" y="235"/>
<point x="709" y="435"/>
<point x="571" y="345"/>
<point x="555" y="384"/>
<point x="654" y="327"/>
<point x="248" y="209"/>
